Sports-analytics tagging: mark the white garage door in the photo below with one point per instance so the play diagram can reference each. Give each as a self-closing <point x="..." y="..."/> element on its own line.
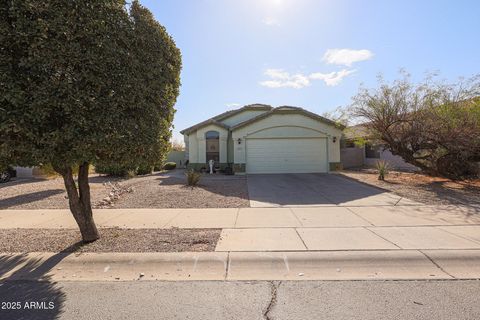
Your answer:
<point x="299" y="155"/>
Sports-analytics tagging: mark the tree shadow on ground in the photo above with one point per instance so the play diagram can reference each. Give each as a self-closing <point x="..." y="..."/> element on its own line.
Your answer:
<point x="313" y="189"/>
<point x="20" y="181"/>
<point x="469" y="195"/>
<point x="426" y="189"/>
<point x="28" y="198"/>
<point x="100" y="179"/>
<point x="25" y="280"/>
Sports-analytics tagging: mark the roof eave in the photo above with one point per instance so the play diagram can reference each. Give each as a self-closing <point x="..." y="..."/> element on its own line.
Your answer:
<point x="204" y="124"/>
<point x="288" y="111"/>
<point x="227" y="114"/>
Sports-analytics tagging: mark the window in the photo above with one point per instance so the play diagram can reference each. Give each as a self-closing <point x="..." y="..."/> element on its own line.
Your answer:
<point x="212" y="140"/>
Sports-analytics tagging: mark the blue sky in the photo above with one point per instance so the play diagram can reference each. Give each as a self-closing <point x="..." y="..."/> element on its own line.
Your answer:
<point x="310" y="53"/>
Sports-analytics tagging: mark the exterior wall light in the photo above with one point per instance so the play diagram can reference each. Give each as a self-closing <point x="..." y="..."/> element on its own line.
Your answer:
<point x="239" y="141"/>
<point x="334" y="139"/>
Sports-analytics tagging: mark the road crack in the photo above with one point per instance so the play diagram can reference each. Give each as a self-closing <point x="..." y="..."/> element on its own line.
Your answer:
<point x="274" y="285"/>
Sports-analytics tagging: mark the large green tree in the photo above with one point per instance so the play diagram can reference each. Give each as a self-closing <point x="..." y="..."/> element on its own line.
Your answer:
<point x="84" y="82"/>
<point x="432" y="125"/>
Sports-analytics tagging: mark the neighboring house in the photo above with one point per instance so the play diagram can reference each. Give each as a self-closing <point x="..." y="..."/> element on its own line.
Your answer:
<point x="176" y="156"/>
<point x="260" y="139"/>
<point x="26" y="172"/>
<point x="367" y="154"/>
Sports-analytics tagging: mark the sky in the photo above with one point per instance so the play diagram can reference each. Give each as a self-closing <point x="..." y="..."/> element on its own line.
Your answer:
<point x="313" y="54"/>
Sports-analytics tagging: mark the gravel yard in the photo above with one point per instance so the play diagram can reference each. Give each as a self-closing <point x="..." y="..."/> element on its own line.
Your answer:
<point x="422" y="188"/>
<point x="170" y="191"/>
<point x="160" y="190"/>
<point x="46" y="193"/>
<point x="112" y="240"/>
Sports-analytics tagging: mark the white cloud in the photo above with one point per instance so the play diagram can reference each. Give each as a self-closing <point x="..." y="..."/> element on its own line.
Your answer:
<point x="270" y="21"/>
<point x="333" y="78"/>
<point x="282" y="79"/>
<point x="346" y="56"/>
<point x="233" y="105"/>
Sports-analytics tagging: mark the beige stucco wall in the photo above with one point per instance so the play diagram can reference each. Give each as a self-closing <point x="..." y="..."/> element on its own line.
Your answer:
<point x="242" y="116"/>
<point x="24" y="172"/>
<point x="187" y="146"/>
<point x="396" y="162"/>
<point x="287" y="125"/>
<point x="176" y="156"/>
<point x="352" y="157"/>
<point x="197" y="145"/>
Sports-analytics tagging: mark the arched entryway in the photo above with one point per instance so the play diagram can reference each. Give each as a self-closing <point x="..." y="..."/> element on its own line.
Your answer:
<point x="212" y="140"/>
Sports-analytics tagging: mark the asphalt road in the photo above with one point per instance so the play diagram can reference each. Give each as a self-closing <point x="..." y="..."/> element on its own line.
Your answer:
<point x="452" y="299"/>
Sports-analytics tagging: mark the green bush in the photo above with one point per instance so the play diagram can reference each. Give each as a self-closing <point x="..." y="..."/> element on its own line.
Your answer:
<point x="383" y="168"/>
<point x="115" y="170"/>
<point x="123" y="171"/>
<point x="193" y="177"/>
<point x="4" y="167"/>
<point x="47" y="170"/>
<point x="144" y="169"/>
<point x="169" y="166"/>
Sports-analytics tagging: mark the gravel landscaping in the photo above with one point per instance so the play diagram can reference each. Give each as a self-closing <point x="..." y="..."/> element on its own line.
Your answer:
<point x="170" y="191"/>
<point x="112" y="240"/>
<point x="160" y="190"/>
<point x="422" y="188"/>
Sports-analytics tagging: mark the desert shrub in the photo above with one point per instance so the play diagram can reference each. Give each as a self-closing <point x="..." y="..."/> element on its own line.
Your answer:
<point x="383" y="168"/>
<point x="144" y="169"/>
<point x="130" y="174"/>
<point x="193" y="177"/>
<point x="47" y="170"/>
<point x="169" y="166"/>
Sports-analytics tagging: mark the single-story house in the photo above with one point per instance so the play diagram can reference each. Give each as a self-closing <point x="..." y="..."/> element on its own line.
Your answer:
<point x="367" y="153"/>
<point x="260" y="139"/>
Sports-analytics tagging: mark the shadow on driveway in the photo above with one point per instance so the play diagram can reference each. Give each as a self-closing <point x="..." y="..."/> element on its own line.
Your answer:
<point x="313" y="189"/>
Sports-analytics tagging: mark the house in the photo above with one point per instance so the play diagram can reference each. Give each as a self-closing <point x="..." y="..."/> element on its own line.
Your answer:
<point x="260" y="139"/>
<point x="367" y="153"/>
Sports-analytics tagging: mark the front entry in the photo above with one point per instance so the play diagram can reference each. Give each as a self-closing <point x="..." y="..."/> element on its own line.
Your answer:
<point x="212" y="140"/>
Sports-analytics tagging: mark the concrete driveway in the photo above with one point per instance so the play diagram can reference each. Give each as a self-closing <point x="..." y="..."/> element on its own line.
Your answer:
<point x="316" y="189"/>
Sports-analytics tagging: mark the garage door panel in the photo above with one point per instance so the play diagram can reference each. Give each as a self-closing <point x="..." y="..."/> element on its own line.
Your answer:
<point x="286" y="155"/>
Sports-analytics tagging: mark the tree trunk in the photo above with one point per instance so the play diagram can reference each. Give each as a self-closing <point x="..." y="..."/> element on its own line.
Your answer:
<point x="79" y="201"/>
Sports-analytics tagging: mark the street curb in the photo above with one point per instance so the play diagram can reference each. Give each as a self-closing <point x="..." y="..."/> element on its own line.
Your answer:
<point x="233" y="266"/>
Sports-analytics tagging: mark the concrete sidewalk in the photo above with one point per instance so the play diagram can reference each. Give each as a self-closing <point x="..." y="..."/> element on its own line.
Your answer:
<point x="322" y="243"/>
<point x="291" y="229"/>
<point x="245" y="218"/>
